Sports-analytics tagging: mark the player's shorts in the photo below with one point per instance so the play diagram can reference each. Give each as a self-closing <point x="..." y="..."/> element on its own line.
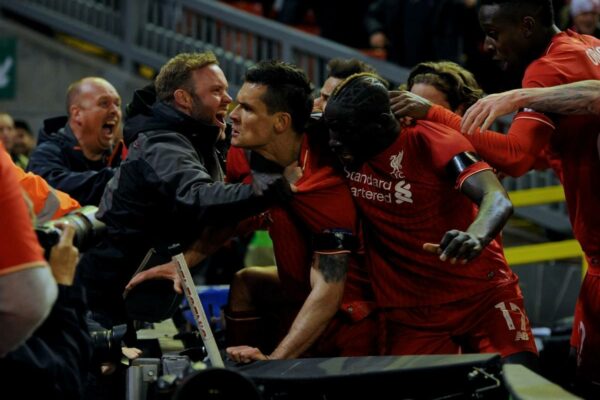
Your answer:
<point x="586" y="325"/>
<point x="493" y="321"/>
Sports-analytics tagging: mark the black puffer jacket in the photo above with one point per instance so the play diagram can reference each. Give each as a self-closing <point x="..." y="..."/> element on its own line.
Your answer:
<point x="59" y="159"/>
<point x="166" y="191"/>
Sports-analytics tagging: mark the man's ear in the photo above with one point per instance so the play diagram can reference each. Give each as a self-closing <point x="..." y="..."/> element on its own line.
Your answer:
<point x="75" y="113"/>
<point x="283" y="122"/>
<point x="528" y="26"/>
<point x="182" y="99"/>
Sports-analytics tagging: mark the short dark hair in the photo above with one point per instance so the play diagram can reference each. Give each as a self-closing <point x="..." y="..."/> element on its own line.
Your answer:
<point x="458" y="84"/>
<point x="342" y="68"/>
<point x="22" y="124"/>
<point x="542" y="9"/>
<point x="177" y="73"/>
<point x="288" y="90"/>
<point x="361" y="95"/>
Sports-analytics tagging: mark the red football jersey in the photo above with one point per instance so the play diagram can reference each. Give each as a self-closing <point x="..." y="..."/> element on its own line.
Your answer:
<point x="322" y="202"/>
<point x="572" y="57"/>
<point x="407" y="199"/>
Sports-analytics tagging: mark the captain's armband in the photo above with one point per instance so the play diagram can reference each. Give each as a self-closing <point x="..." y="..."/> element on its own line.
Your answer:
<point x="460" y="162"/>
<point x="332" y="241"/>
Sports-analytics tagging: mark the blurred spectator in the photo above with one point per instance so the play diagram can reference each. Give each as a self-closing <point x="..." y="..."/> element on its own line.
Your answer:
<point x="7" y="131"/>
<point x="445" y="83"/>
<point x="23" y="144"/>
<point x="338" y="70"/>
<point x="392" y="25"/>
<point x="339" y="20"/>
<point x="585" y="15"/>
<point x="76" y="154"/>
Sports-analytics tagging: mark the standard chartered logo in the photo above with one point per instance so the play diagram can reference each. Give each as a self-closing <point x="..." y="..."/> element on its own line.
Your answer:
<point x="380" y="190"/>
<point x="403" y="193"/>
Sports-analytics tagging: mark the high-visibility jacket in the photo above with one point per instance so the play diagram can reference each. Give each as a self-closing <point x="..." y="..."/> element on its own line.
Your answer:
<point x="48" y="203"/>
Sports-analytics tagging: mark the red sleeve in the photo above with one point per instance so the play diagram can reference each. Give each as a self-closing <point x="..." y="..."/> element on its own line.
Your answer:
<point x="443" y="116"/>
<point x="323" y="200"/>
<point x="514" y="153"/>
<point x="470" y="171"/>
<point x="19" y="248"/>
<point x="442" y="143"/>
<point x="238" y="167"/>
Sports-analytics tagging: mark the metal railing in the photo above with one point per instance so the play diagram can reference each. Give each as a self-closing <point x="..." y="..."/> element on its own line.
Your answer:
<point x="149" y="32"/>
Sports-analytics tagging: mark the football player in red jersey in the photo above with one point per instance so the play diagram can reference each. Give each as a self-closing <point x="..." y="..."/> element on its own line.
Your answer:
<point x="319" y="277"/>
<point x="522" y="36"/>
<point x="432" y="211"/>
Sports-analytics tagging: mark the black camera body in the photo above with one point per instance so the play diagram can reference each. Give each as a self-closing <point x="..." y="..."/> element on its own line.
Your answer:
<point x="88" y="229"/>
<point x="106" y="342"/>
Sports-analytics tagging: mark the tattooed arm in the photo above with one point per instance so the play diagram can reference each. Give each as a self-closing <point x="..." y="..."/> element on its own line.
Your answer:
<point x="327" y="278"/>
<point x="575" y="98"/>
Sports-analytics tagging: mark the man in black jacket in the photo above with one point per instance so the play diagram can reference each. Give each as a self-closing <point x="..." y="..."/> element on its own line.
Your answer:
<point x="75" y="155"/>
<point x="169" y="189"/>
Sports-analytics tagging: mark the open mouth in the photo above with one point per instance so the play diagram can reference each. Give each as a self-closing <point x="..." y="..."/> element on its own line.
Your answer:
<point x="220" y="119"/>
<point x="108" y="128"/>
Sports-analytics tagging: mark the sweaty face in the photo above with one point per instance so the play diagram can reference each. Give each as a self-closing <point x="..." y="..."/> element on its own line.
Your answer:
<point x="504" y="38"/>
<point x="253" y="126"/>
<point x="348" y="139"/>
<point x="328" y="87"/>
<point x="96" y="114"/>
<point x="209" y="96"/>
<point x="431" y="93"/>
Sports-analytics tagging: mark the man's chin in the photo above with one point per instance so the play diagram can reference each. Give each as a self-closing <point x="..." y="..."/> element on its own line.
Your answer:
<point x="235" y="142"/>
<point x="107" y="144"/>
<point x="350" y="163"/>
<point x="502" y="65"/>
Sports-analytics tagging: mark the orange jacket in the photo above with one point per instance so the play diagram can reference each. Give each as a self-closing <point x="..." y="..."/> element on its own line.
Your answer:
<point x="48" y="203"/>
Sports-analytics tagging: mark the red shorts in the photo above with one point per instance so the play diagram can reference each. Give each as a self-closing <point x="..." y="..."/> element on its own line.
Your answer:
<point x="490" y="322"/>
<point x="586" y="327"/>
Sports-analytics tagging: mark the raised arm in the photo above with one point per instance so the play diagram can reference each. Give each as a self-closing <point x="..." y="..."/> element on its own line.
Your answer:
<point x="575" y="98"/>
<point x="514" y="153"/>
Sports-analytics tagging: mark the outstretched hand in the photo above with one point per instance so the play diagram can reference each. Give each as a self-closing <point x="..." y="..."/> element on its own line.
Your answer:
<point x="211" y="239"/>
<point x="483" y="113"/>
<point x="456" y="246"/>
<point x="163" y="271"/>
<point x="245" y="354"/>
<point x="406" y="104"/>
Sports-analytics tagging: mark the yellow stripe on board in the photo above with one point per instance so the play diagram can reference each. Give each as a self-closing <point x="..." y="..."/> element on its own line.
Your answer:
<point x="543" y="252"/>
<point x="537" y="196"/>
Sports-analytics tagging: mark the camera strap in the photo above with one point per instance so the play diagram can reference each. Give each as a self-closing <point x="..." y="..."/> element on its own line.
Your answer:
<point x="191" y="294"/>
